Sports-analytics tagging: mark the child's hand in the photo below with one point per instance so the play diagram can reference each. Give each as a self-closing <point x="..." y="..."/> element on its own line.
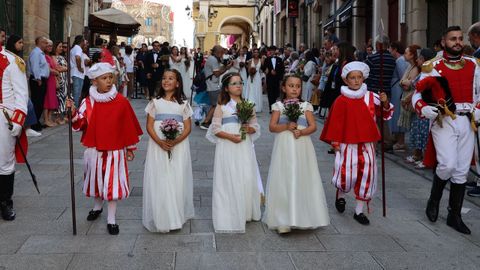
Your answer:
<point x="165" y="145"/>
<point x="235" y="138"/>
<point x="130" y="155"/>
<point x="336" y="146"/>
<point x="297" y="133"/>
<point x="383" y="97"/>
<point x="291" y="126"/>
<point x="70" y="105"/>
<point x="248" y="128"/>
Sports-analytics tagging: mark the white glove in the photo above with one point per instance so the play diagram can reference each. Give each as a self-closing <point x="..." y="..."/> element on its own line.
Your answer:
<point x="430" y="112"/>
<point x="476" y="114"/>
<point x="16" y="130"/>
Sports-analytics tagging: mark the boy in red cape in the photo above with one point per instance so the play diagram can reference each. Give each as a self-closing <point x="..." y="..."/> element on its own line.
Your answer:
<point x="110" y="133"/>
<point x="352" y="131"/>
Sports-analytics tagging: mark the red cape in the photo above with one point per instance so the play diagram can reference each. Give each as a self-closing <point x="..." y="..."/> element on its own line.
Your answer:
<point x="112" y="125"/>
<point x="350" y="121"/>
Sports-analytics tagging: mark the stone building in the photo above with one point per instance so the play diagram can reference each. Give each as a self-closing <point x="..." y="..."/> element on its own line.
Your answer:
<point x="224" y="22"/>
<point x="357" y="21"/>
<point x="30" y="19"/>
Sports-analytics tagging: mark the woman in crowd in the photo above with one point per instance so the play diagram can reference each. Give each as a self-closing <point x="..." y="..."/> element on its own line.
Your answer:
<point x="61" y="80"/>
<point x="51" y="102"/>
<point x="254" y="81"/>
<point x="406" y="109"/>
<point x="187" y="72"/>
<point x="420" y="126"/>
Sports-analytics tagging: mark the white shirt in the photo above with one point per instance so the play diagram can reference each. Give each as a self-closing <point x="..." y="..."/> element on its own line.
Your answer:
<point x="274" y="62"/>
<point x="85" y="68"/>
<point x="128" y="60"/>
<point x="75" y="51"/>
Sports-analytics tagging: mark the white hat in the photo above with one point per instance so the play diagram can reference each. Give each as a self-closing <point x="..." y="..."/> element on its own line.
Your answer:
<point x="356" y="66"/>
<point x="99" y="69"/>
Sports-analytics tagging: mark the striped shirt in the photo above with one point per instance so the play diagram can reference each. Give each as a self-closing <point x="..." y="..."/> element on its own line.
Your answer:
<point x="373" y="81"/>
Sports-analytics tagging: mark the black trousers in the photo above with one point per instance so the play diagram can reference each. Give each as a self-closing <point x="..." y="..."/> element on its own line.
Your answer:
<point x="273" y="93"/>
<point x="152" y="85"/>
<point x="38" y="97"/>
<point x="6" y="187"/>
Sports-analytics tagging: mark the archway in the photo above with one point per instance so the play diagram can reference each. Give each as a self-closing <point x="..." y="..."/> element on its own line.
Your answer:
<point x="235" y="30"/>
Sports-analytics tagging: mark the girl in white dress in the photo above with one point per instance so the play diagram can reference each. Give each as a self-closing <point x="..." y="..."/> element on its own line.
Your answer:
<point x="187" y="72"/>
<point x="294" y="195"/>
<point x="168" y="182"/>
<point x="236" y="195"/>
<point x="254" y="82"/>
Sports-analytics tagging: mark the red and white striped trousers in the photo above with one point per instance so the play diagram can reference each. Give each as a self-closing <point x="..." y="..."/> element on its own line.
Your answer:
<point x="106" y="174"/>
<point x="356" y="167"/>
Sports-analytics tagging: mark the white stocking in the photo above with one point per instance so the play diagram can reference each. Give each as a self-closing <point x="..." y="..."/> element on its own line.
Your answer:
<point x="359" y="207"/>
<point x="112" y="209"/>
<point x="98" y="204"/>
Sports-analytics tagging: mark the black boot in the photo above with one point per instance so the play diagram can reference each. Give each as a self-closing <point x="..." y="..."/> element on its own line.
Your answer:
<point x="6" y="193"/>
<point x="455" y="202"/>
<point x="435" y="196"/>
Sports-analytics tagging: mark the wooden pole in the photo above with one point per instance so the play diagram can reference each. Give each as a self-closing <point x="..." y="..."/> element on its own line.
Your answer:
<point x="70" y="136"/>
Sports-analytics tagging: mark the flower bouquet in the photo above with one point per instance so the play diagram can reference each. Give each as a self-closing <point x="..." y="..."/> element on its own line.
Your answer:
<point x="170" y="129"/>
<point x="292" y="109"/>
<point x="245" y="112"/>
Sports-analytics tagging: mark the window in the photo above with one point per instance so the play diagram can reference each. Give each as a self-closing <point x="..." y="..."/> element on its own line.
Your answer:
<point x="11" y="17"/>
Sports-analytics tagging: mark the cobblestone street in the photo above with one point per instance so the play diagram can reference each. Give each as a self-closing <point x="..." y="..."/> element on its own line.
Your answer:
<point x="41" y="236"/>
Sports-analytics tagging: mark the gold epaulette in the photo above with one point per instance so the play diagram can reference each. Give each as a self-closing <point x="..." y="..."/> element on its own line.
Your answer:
<point x="428" y="66"/>
<point x="19" y="61"/>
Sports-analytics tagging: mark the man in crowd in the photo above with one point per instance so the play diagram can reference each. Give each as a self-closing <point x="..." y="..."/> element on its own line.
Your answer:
<point x="382" y="64"/>
<point x="13" y="102"/>
<point x="39" y="72"/>
<point x="454" y="139"/>
<point x="474" y="38"/>
<point x="274" y="70"/>
<point x="153" y="68"/>
<point x="76" y="68"/>
<point x="213" y="70"/>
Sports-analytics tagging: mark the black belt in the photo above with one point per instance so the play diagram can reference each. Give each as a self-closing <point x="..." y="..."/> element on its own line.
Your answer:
<point x="463" y="113"/>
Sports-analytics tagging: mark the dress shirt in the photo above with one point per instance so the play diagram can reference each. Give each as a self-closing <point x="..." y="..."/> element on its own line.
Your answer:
<point x="37" y="64"/>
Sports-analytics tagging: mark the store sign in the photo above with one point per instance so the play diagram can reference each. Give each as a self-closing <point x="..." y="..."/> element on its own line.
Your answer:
<point x="292" y="8"/>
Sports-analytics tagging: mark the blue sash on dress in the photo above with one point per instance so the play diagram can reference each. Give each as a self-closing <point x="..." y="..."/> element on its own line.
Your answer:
<point x="230" y="119"/>
<point x="165" y="116"/>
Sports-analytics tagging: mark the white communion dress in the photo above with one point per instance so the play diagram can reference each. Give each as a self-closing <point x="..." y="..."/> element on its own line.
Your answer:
<point x="236" y="194"/>
<point x="167" y="183"/>
<point x="294" y="194"/>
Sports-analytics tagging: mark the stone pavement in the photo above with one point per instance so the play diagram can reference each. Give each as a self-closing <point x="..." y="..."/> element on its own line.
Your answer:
<point x="41" y="236"/>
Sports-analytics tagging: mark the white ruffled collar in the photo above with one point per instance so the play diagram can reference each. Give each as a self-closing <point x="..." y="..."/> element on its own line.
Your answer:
<point x="103" y="97"/>
<point x="232" y="106"/>
<point x="354" y="94"/>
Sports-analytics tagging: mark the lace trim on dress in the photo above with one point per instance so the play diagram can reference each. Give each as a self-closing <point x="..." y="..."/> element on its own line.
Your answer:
<point x="103" y="97"/>
<point x="354" y="94"/>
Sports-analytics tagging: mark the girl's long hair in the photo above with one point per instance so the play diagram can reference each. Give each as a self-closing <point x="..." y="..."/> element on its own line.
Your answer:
<point x="287" y="76"/>
<point x="224" y="97"/>
<point x="179" y="96"/>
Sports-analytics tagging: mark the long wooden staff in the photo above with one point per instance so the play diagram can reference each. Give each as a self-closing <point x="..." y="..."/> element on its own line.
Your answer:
<point x="70" y="135"/>
<point x="384" y="204"/>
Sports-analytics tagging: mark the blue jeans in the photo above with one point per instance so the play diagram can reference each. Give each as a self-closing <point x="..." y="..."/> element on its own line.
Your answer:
<point x="77" y="90"/>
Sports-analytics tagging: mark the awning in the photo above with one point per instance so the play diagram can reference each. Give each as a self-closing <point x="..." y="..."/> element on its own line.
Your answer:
<point x="342" y="15"/>
<point x="113" y="21"/>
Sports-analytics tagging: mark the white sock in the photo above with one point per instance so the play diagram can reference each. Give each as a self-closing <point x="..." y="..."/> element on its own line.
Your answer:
<point x="340" y="194"/>
<point x="359" y="207"/>
<point x="98" y="204"/>
<point x="112" y="209"/>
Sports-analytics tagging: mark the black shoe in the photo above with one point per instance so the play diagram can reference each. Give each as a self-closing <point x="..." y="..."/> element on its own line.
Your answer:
<point x="204" y="125"/>
<point x="94" y="214"/>
<point x="471" y="185"/>
<point x="340" y="205"/>
<point x="331" y="151"/>
<point x="113" y="229"/>
<point x="455" y="202"/>
<point x="435" y="196"/>
<point x="6" y="207"/>
<point x="197" y="123"/>
<point x="475" y="192"/>
<point x="361" y="218"/>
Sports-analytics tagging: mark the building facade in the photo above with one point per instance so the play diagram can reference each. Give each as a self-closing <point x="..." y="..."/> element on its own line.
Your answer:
<point x="224" y="22"/>
<point x="359" y="21"/>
